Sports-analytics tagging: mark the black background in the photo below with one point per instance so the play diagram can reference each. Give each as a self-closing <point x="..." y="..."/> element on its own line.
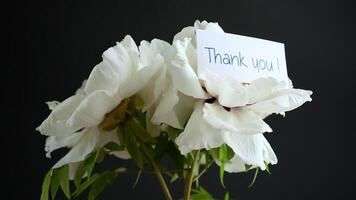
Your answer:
<point x="51" y="46"/>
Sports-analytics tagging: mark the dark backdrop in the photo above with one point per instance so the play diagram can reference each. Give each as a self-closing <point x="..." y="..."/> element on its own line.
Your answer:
<point x="51" y="46"/>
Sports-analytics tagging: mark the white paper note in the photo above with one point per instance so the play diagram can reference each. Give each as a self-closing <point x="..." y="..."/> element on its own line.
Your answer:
<point x="241" y="57"/>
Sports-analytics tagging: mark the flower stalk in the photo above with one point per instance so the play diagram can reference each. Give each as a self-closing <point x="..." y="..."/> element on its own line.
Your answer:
<point x="190" y="177"/>
<point x="158" y="173"/>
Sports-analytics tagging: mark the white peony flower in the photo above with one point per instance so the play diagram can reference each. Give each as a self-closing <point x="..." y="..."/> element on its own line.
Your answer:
<point x="86" y="120"/>
<point x="228" y="111"/>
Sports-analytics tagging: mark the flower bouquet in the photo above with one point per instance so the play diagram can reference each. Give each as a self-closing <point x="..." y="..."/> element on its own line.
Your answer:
<point x="146" y="103"/>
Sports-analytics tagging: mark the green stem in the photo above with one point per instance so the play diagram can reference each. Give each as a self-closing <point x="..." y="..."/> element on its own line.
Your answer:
<point x="190" y="176"/>
<point x="158" y="173"/>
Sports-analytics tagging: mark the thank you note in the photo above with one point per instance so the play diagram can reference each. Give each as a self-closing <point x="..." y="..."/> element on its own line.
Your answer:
<point x="243" y="58"/>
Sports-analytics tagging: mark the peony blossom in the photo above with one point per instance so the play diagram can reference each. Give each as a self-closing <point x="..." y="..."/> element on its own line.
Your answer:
<point x="227" y="111"/>
<point x="87" y="120"/>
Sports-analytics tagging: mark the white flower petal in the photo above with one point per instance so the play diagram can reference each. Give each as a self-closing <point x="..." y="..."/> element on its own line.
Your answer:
<point x="269" y="156"/>
<point x="155" y="55"/>
<point x="52" y="104"/>
<point x="183" y="76"/>
<point x="92" y="109"/>
<point x="80" y="150"/>
<point x="123" y="59"/>
<point x="252" y="149"/>
<point x="262" y="88"/>
<point x="103" y="77"/>
<point x="281" y="101"/>
<point x="129" y="44"/>
<point x="198" y="134"/>
<point x="111" y="136"/>
<point x="55" y="124"/>
<point x="235" y="165"/>
<point x="154" y="88"/>
<point x="153" y="129"/>
<point x="238" y="120"/>
<point x="189" y="32"/>
<point x="210" y="26"/>
<point x="173" y="109"/>
<point x="164" y="109"/>
<point x="229" y="92"/>
<point x="54" y="142"/>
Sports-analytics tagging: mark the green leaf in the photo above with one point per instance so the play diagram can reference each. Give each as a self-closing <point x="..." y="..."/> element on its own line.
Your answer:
<point x="105" y="178"/>
<point x="101" y="156"/>
<point x="90" y="162"/>
<point x="140" y="132"/>
<point x="227" y="196"/>
<point x="230" y="153"/>
<point x="131" y="145"/>
<point x="178" y="160"/>
<point x="161" y="146"/>
<point x="120" y="134"/>
<point x="223" y="157"/>
<point x="79" y="174"/>
<point x="46" y="185"/>
<point x="113" y="146"/>
<point x="137" y="178"/>
<point x="141" y="118"/>
<point x="201" y="194"/>
<point x="85" y="185"/>
<point x="54" y="183"/>
<point x="254" y="177"/>
<point x="100" y="183"/>
<point x="63" y="174"/>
